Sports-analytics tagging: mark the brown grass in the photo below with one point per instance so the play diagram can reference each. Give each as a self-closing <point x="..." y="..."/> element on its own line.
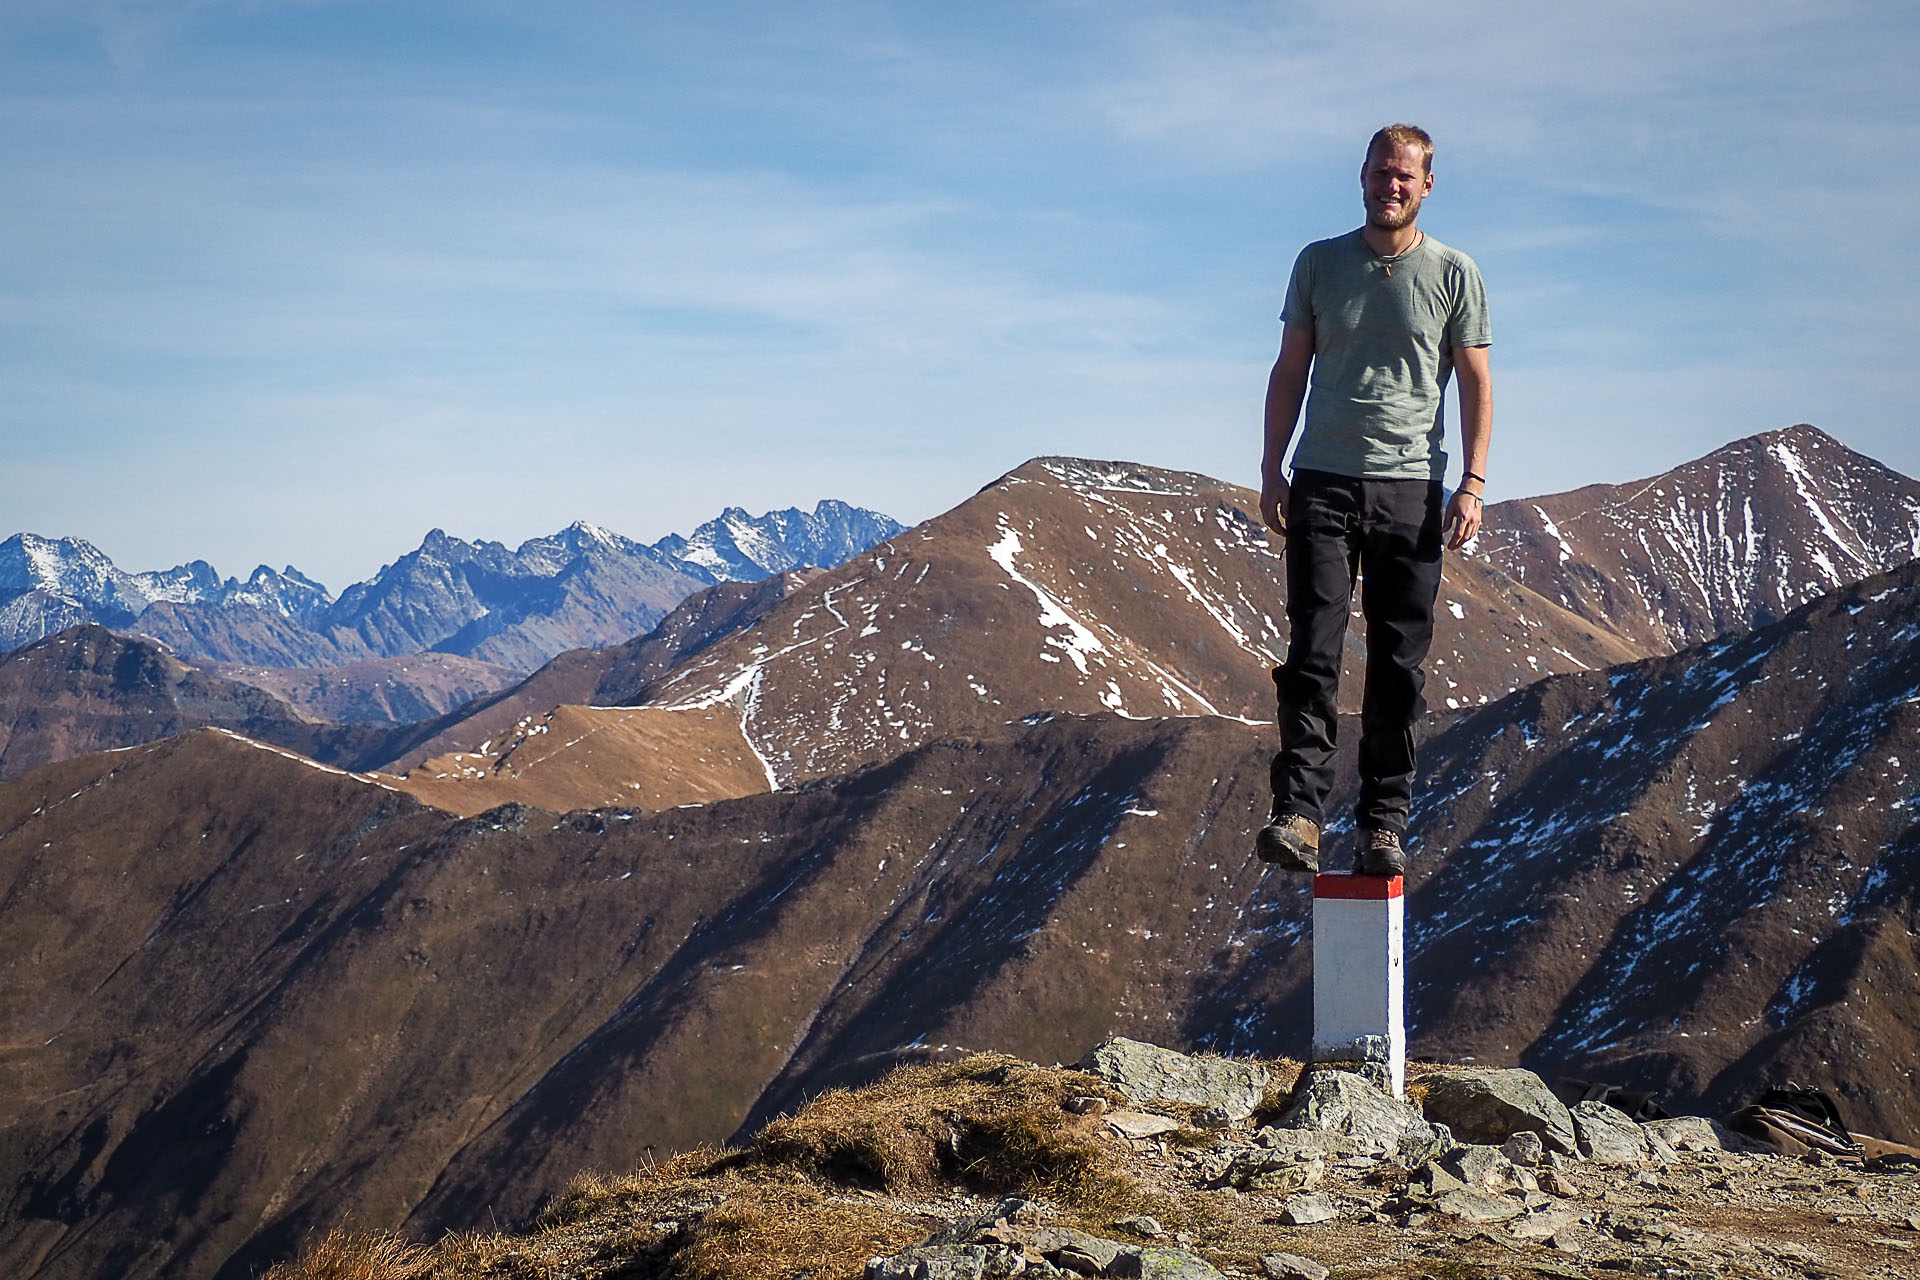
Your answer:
<point x="801" y="1200"/>
<point x="787" y="1230"/>
<point x="343" y="1255"/>
<point x="991" y="1122"/>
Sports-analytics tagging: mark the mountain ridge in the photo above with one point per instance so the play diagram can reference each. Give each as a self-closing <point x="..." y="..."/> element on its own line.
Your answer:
<point x="513" y="607"/>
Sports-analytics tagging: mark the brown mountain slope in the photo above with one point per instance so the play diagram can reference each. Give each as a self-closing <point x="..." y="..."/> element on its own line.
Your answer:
<point x="1723" y="543"/>
<point x="88" y="689"/>
<point x="583" y="757"/>
<point x="1075" y="586"/>
<point x="311" y="997"/>
<point x="612" y="676"/>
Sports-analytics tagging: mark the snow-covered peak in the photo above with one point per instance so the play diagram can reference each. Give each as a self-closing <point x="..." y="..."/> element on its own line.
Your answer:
<point x="739" y="547"/>
<point x="68" y="569"/>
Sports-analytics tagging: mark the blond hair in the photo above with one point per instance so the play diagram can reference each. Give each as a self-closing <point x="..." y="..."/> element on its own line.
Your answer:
<point x="1404" y="135"/>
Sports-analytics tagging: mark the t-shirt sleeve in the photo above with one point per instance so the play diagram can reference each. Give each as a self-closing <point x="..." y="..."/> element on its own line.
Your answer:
<point x="1470" y="325"/>
<point x="1298" y="311"/>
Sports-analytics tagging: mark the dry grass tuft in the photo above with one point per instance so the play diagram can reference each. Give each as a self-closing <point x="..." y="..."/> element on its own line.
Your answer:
<point x="787" y="1230"/>
<point x="343" y="1255"/>
<point x="474" y="1256"/>
<point x="990" y="1121"/>
<point x="1283" y="1079"/>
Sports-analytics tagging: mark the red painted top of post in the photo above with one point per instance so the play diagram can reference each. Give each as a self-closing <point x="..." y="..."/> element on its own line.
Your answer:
<point x="1350" y="885"/>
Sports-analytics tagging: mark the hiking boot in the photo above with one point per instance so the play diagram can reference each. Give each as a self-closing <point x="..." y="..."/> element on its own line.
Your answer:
<point x="1290" y="841"/>
<point x="1381" y="854"/>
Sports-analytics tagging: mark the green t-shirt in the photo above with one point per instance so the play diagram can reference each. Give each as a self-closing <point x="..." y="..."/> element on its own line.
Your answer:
<point x="1383" y="343"/>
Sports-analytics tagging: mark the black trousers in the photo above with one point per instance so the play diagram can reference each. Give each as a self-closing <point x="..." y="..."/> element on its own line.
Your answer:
<point x="1387" y="532"/>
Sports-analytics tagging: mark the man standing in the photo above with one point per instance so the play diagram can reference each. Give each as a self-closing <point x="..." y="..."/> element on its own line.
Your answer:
<point x="1382" y="317"/>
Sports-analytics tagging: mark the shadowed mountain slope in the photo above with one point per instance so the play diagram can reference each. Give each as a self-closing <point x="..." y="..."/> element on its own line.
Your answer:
<point x="1724" y="543"/>
<point x="380" y="691"/>
<point x="88" y="689"/>
<point x="313" y="997"/>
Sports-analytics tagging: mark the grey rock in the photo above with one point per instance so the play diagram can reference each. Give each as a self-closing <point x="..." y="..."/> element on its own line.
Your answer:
<point x="936" y="1262"/>
<point x="1275" y="1173"/>
<point x="1342" y="1102"/>
<point x="1686" y="1133"/>
<point x="1087" y="1105"/>
<point x="1310" y="1141"/>
<point x="1541" y="1226"/>
<point x="1489" y="1105"/>
<point x="1476" y="1206"/>
<point x="1524" y="1148"/>
<point x="1431" y="1181"/>
<point x="1607" y="1136"/>
<point x="1291" y="1266"/>
<point x="1076" y="1250"/>
<point x="1480" y="1168"/>
<point x="1162" y="1262"/>
<point x="1147" y="1073"/>
<point x="1305" y="1210"/>
<point x="1142" y="1225"/>
<point x="1140" y="1124"/>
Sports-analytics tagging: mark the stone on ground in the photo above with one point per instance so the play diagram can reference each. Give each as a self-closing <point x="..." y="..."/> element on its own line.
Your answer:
<point x="1291" y="1266"/>
<point x="1480" y="1168"/>
<point x="1342" y="1102"/>
<point x="1607" y="1136"/>
<point x="1490" y="1105"/>
<point x="1477" y="1206"/>
<point x="1160" y="1262"/>
<point x="1305" y="1210"/>
<point x="1687" y="1133"/>
<point x="1524" y="1148"/>
<point x="1147" y="1073"/>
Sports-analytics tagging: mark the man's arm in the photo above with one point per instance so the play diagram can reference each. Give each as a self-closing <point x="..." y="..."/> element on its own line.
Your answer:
<point x="1475" y="371"/>
<point x="1286" y="390"/>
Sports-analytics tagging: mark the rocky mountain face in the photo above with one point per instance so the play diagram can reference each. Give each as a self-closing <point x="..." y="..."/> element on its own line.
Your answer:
<point x="249" y="996"/>
<point x="1080" y="587"/>
<point x="89" y="689"/>
<point x="381" y="691"/>
<point x="1730" y="541"/>
<point x="514" y="608"/>
<point x="737" y="547"/>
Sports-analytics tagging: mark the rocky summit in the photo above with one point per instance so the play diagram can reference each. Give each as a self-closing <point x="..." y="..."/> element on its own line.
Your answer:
<point x="992" y="1167"/>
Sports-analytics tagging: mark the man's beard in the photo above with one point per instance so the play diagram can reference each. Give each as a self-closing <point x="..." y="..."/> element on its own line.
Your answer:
<point x="1393" y="218"/>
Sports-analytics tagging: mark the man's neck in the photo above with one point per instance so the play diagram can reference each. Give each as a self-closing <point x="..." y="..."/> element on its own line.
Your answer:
<point x="1390" y="244"/>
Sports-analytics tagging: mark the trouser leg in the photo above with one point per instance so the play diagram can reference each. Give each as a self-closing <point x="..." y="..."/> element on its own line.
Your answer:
<point x="1400" y="548"/>
<point x="1322" y="550"/>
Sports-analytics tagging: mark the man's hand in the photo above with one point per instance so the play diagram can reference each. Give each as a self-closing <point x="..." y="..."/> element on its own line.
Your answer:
<point x="1463" y="519"/>
<point x="1273" y="503"/>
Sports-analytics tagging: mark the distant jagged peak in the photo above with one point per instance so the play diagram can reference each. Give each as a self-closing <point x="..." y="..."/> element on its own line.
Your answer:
<point x="737" y="546"/>
<point x="70" y="569"/>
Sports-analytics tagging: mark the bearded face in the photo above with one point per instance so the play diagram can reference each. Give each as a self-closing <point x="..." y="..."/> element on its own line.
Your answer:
<point x="1394" y="182"/>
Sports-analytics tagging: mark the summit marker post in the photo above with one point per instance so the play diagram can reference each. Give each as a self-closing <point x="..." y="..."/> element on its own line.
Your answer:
<point x="1359" y="974"/>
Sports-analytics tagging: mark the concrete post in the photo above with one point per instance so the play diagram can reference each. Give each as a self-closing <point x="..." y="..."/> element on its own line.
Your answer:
<point x="1359" y="974"/>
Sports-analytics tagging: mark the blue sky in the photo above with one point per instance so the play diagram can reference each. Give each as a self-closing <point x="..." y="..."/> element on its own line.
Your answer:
<point x="293" y="281"/>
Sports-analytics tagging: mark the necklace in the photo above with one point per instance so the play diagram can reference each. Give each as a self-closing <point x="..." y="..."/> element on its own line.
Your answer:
<point x="1387" y="261"/>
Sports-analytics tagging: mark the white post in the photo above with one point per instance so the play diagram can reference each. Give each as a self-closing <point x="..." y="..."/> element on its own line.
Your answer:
<point x="1359" y="973"/>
